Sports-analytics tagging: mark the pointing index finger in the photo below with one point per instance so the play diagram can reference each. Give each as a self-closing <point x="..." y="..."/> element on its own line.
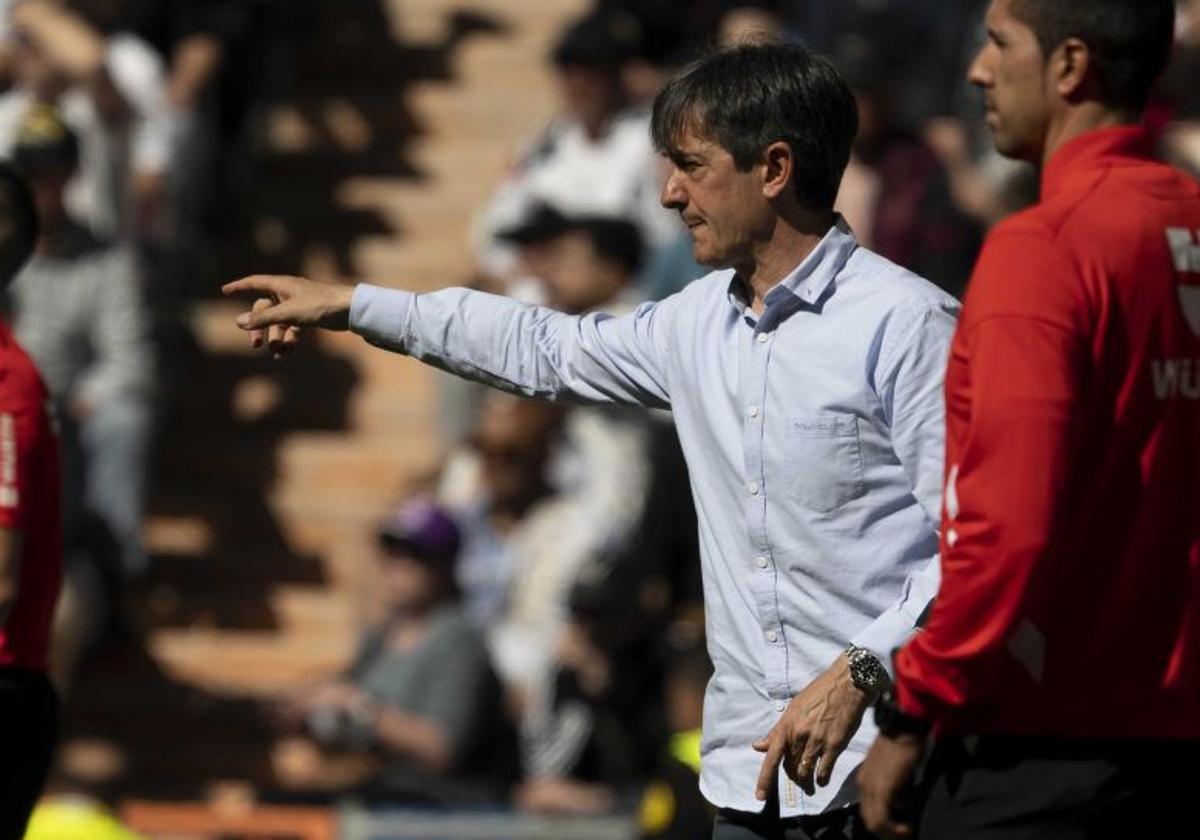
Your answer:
<point x="257" y="283"/>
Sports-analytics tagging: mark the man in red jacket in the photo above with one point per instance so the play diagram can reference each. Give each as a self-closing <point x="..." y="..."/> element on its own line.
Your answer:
<point x="30" y="542"/>
<point x="1059" y="668"/>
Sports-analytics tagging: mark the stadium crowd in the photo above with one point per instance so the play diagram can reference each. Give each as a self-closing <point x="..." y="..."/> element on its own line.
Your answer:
<point x="543" y="638"/>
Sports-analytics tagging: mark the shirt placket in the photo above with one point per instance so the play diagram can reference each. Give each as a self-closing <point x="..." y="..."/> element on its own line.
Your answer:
<point x="760" y="565"/>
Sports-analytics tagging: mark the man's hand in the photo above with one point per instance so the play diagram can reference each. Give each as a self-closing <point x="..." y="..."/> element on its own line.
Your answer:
<point x="285" y="304"/>
<point x="814" y="730"/>
<point x="883" y="780"/>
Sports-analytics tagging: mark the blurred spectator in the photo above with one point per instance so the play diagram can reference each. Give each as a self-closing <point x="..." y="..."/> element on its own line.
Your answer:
<point x="895" y="192"/>
<point x="592" y="264"/>
<point x="541" y="494"/>
<point x="112" y="93"/>
<point x="77" y="306"/>
<point x="596" y="158"/>
<point x="749" y="21"/>
<point x="927" y="48"/>
<point x="592" y="734"/>
<point x="420" y="698"/>
<point x="1181" y="141"/>
<point x="672" y="807"/>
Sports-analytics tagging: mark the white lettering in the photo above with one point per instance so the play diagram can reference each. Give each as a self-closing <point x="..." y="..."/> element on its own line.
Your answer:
<point x="1176" y="378"/>
<point x="1189" y="381"/>
<point x="1166" y="378"/>
<point x="1184" y="250"/>
<point x="8" y="461"/>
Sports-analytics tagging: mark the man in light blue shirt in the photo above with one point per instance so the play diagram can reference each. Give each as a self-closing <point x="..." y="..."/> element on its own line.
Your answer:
<point x="806" y="383"/>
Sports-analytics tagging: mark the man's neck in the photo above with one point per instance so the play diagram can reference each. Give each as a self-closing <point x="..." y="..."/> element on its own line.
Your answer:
<point x="790" y="244"/>
<point x="1079" y="120"/>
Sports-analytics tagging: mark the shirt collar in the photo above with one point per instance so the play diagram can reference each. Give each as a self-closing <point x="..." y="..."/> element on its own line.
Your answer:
<point x="809" y="280"/>
<point x="1095" y="150"/>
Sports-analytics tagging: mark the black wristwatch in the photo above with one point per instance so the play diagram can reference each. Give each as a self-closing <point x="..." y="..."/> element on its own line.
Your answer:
<point x="867" y="672"/>
<point x="894" y="723"/>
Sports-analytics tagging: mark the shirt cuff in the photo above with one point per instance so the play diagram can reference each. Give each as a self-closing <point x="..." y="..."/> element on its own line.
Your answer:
<point x="883" y="635"/>
<point x="380" y="315"/>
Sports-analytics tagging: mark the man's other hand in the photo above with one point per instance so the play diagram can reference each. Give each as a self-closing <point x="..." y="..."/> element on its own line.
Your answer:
<point x="814" y="730"/>
<point x="884" y="779"/>
<point x="285" y="304"/>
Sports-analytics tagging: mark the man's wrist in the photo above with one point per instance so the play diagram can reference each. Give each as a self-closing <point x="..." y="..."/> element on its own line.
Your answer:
<point x="894" y="722"/>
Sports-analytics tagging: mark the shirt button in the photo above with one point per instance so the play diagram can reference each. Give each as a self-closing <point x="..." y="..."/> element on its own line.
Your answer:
<point x="761" y="560"/>
<point x="753" y="411"/>
<point x="772" y="636"/>
<point x="753" y="488"/>
<point x="762" y="338"/>
<point x="780" y="706"/>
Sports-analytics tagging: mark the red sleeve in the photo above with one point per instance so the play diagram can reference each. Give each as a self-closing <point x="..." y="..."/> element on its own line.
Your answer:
<point x="1013" y="385"/>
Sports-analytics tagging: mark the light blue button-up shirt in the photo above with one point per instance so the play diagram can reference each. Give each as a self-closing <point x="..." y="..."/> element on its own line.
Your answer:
<point x="814" y="439"/>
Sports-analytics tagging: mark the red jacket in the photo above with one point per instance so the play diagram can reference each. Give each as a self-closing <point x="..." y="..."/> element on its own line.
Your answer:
<point x="29" y="503"/>
<point x="1070" y="595"/>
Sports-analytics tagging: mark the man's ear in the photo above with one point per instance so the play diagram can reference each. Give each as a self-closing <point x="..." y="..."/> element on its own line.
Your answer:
<point x="778" y="164"/>
<point x="1070" y="69"/>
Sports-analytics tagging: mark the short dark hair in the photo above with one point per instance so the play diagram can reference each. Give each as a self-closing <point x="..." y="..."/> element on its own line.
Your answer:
<point x="1129" y="40"/>
<point x="18" y="223"/>
<point x="747" y="97"/>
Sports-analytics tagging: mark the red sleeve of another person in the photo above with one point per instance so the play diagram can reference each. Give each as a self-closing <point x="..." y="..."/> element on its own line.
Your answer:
<point x="1012" y="388"/>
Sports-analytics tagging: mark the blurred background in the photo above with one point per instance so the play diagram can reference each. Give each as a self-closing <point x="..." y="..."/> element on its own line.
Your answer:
<point x="347" y="596"/>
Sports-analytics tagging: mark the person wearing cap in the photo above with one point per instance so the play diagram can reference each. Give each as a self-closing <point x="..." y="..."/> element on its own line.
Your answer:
<point x="805" y="377"/>
<point x="78" y="308"/>
<point x="593" y="159"/>
<point x="419" y="696"/>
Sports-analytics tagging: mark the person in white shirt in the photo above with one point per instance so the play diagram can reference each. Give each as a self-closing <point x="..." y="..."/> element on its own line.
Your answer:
<point x="112" y="94"/>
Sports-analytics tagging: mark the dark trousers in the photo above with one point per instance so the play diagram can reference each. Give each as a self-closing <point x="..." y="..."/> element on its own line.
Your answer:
<point x="28" y="729"/>
<point x="842" y="824"/>
<point x="997" y="788"/>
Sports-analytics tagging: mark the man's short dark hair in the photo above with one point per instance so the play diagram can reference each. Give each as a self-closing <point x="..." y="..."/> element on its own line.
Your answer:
<point x="1129" y="40"/>
<point x="747" y="97"/>
<point x="18" y="223"/>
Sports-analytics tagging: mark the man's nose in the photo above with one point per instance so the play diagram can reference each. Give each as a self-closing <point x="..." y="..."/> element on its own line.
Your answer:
<point x="672" y="196"/>
<point x="980" y="71"/>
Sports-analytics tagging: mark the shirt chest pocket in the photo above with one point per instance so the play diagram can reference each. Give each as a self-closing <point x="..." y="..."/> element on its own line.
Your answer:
<point x="823" y="458"/>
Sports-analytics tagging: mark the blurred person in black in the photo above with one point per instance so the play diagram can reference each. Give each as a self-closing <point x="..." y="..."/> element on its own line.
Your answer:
<point x="590" y="740"/>
<point x="672" y="807"/>
<point x="420" y="702"/>
<point x="896" y="194"/>
<point x="934" y="35"/>
<point x="77" y="305"/>
<point x="30" y="541"/>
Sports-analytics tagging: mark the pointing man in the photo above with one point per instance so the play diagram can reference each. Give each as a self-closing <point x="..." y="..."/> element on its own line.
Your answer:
<point x="805" y="378"/>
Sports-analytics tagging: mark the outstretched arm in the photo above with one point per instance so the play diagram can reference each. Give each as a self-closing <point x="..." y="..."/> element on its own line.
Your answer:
<point x="528" y="350"/>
